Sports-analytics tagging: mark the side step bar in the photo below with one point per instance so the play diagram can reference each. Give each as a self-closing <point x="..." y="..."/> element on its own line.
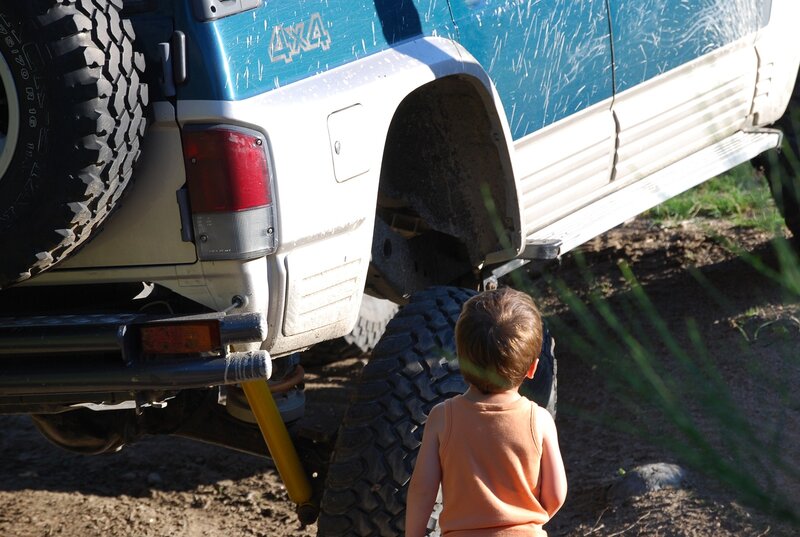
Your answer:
<point x="558" y="238"/>
<point x="631" y="200"/>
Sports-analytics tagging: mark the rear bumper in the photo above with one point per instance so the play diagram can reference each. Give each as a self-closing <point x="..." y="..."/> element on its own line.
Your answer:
<point x="91" y="354"/>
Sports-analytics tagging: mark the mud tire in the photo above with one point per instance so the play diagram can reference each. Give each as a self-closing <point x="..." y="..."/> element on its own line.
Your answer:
<point x="73" y="109"/>
<point x="373" y="316"/>
<point x="412" y="368"/>
<point x="543" y="387"/>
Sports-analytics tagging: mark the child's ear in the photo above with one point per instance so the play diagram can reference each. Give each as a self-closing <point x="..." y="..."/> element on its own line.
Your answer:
<point x="532" y="369"/>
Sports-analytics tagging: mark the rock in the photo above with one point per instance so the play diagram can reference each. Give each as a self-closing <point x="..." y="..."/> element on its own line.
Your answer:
<point x="201" y="502"/>
<point x="647" y="478"/>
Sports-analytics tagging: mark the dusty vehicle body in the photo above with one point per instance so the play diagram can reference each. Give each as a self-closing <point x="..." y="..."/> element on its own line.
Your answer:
<point x="298" y="156"/>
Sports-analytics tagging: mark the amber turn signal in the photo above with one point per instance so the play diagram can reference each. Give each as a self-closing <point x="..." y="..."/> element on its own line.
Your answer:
<point x="183" y="338"/>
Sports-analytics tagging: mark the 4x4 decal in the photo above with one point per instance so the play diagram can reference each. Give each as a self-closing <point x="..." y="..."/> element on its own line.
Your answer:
<point x="288" y="41"/>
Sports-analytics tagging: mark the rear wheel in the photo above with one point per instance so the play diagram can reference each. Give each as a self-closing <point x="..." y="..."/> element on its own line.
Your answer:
<point x="71" y="121"/>
<point x="412" y="368"/>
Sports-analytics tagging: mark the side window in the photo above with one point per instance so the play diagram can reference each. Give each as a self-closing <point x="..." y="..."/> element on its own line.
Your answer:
<point x="548" y="59"/>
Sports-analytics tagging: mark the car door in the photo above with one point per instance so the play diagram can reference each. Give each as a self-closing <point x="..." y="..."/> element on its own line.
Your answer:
<point x="684" y="77"/>
<point x="551" y="64"/>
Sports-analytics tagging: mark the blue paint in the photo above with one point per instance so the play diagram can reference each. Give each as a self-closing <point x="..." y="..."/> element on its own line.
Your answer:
<point x="282" y="42"/>
<point x="548" y="59"/>
<point x="653" y="36"/>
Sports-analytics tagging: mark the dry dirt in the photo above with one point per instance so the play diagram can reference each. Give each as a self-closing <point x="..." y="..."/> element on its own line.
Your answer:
<point x="167" y="486"/>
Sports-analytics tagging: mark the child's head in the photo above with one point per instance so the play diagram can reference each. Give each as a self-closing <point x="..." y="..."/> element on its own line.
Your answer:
<point x="498" y="338"/>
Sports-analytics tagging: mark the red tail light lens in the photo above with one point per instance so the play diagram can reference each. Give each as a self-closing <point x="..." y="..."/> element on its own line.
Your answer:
<point x="226" y="170"/>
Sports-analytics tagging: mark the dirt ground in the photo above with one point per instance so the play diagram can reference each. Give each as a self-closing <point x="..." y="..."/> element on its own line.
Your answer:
<point x="166" y="486"/>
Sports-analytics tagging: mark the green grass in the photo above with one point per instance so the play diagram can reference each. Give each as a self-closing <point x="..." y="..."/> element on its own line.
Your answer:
<point x="740" y="196"/>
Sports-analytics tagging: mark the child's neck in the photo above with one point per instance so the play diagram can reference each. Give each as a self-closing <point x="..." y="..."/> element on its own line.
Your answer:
<point x="477" y="396"/>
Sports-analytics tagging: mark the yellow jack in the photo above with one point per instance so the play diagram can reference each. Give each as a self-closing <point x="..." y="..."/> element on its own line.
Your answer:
<point x="279" y="444"/>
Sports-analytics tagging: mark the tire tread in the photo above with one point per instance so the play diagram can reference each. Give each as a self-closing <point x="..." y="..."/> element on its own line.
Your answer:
<point x="99" y="72"/>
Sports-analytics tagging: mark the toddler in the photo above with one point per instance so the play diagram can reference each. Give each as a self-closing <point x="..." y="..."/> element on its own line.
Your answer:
<point x="494" y="453"/>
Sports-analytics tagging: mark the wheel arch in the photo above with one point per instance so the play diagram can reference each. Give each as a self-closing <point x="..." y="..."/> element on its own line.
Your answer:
<point x="447" y="173"/>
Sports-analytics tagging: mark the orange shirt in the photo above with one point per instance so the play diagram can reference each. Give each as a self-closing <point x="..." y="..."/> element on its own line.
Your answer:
<point x="490" y="456"/>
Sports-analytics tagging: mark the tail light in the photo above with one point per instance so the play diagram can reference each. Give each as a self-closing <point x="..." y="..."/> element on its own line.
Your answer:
<point x="230" y="192"/>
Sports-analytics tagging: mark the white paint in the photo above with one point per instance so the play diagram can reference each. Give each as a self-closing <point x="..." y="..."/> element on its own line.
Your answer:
<point x="616" y="206"/>
<point x="350" y="142"/>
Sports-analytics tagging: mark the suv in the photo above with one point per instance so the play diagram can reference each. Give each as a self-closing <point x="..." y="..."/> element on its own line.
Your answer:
<point x="194" y="192"/>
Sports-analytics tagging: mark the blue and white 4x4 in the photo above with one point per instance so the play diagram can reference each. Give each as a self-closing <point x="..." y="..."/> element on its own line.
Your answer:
<point x="270" y="164"/>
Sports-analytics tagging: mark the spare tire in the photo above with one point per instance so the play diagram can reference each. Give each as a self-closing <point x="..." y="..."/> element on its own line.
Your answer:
<point x="72" y="117"/>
